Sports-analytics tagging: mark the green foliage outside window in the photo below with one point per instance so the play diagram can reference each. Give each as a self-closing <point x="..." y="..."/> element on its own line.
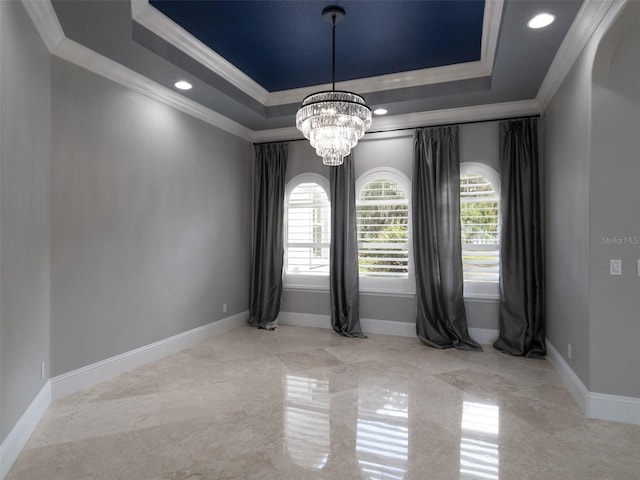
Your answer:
<point x="383" y="229"/>
<point x="479" y="222"/>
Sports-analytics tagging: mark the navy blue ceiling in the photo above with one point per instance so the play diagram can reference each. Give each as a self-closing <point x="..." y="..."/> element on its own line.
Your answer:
<point x="285" y="44"/>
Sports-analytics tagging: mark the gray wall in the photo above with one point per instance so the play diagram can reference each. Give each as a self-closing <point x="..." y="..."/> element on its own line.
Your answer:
<point x="150" y="212"/>
<point x="615" y="198"/>
<point x="478" y="143"/>
<point x="592" y="174"/>
<point x="25" y="108"/>
<point x="567" y="172"/>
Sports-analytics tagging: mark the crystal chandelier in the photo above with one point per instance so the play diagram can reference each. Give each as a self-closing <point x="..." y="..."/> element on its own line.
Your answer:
<point x="335" y="120"/>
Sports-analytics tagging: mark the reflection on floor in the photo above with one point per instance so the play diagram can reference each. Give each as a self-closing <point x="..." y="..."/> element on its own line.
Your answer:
<point x="306" y="421"/>
<point x="479" y="448"/>
<point x="303" y="403"/>
<point x="382" y="442"/>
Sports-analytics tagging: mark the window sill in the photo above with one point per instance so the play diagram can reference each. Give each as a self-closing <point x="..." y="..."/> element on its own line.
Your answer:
<point x="481" y="291"/>
<point x="306" y="288"/>
<point x="479" y="298"/>
<point x="325" y="289"/>
<point x="386" y="293"/>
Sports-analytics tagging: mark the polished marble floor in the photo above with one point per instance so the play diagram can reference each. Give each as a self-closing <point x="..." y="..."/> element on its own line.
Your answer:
<point x="301" y="403"/>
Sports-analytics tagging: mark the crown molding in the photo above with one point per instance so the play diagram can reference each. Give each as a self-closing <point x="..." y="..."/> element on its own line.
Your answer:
<point x="94" y="62"/>
<point x="474" y="113"/>
<point x="392" y="81"/>
<point x="171" y="32"/>
<point x="383" y="127"/>
<point x="490" y="31"/>
<point x="592" y="15"/>
<point x="277" y="135"/>
<point x="46" y="22"/>
<point x="165" y="28"/>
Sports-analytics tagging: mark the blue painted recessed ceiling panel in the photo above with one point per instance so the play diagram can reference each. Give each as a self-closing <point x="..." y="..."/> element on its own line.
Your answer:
<point x="283" y="45"/>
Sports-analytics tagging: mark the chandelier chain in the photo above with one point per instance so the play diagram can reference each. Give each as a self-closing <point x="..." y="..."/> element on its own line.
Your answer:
<point x="333" y="51"/>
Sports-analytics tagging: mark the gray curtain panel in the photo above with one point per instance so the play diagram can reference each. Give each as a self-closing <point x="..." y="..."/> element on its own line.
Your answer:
<point x="522" y="322"/>
<point x="344" y="282"/>
<point x="437" y="249"/>
<point x="267" y="243"/>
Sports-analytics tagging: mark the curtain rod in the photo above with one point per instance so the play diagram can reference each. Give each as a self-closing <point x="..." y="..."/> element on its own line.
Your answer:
<point x="537" y="115"/>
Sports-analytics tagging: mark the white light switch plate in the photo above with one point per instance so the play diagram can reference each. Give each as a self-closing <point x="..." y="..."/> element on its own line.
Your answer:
<point x="615" y="266"/>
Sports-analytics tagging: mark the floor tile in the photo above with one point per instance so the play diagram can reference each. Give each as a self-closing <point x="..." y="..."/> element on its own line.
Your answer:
<point x="306" y="404"/>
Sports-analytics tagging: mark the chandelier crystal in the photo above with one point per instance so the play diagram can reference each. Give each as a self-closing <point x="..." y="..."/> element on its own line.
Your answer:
<point x="333" y="121"/>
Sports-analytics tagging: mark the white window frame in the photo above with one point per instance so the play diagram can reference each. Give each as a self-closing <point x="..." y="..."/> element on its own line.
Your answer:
<point x="389" y="286"/>
<point x="303" y="281"/>
<point x="483" y="290"/>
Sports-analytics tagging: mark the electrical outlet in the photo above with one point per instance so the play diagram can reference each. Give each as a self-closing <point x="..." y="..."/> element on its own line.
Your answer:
<point x="224" y="308"/>
<point x="42" y="371"/>
<point x="569" y="350"/>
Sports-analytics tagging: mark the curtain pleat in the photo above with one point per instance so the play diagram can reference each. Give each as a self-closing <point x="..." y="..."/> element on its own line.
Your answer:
<point x="344" y="282"/>
<point x="267" y="243"/>
<point x="522" y="322"/>
<point x="437" y="249"/>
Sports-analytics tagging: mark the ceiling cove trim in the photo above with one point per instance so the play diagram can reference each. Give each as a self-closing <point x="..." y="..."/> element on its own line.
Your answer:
<point x="46" y="21"/>
<point x="396" y="125"/>
<point x="490" y="31"/>
<point x="591" y="16"/>
<point x="107" y="68"/>
<point x="392" y="81"/>
<point x="150" y="18"/>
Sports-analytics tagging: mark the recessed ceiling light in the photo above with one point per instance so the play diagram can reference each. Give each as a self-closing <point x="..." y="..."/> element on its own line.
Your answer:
<point x="182" y="85"/>
<point x="380" y="111"/>
<point x="541" y="20"/>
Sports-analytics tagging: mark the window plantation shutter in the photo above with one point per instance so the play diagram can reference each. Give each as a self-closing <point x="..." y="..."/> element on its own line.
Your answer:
<point x="308" y="230"/>
<point x="480" y="228"/>
<point x="383" y="236"/>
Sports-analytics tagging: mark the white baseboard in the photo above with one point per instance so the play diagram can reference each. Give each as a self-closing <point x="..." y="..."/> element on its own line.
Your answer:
<point x="569" y="377"/>
<point x="387" y="327"/>
<point x="90" y="375"/>
<point x="596" y="405"/>
<point x="304" y="320"/>
<point x="484" y="336"/>
<point x="20" y="433"/>
<point x="381" y="327"/>
<point x="614" y="407"/>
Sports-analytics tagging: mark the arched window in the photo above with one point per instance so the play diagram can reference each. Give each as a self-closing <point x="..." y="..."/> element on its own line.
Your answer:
<point x="480" y="228"/>
<point x="307" y="231"/>
<point x="383" y="222"/>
